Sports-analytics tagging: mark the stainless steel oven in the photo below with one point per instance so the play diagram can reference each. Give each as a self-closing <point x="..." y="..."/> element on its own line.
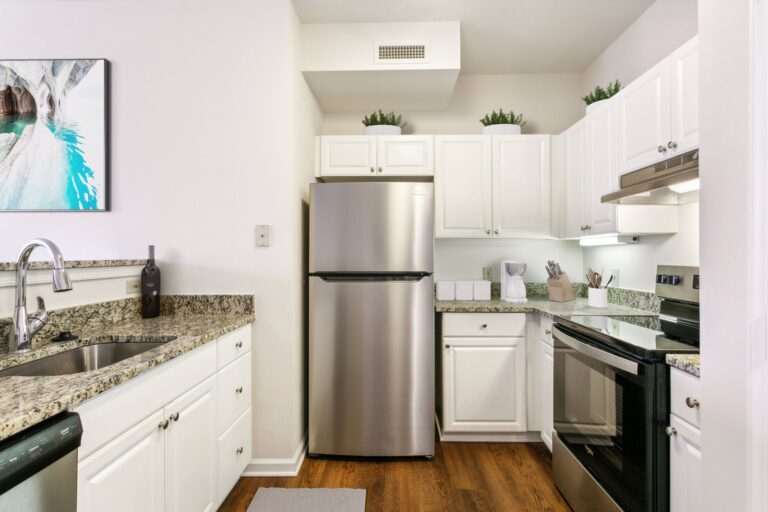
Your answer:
<point x="609" y="418"/>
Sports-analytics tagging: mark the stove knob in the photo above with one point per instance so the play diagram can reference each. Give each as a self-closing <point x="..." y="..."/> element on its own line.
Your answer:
<point x="662" y="279"/>
<point x="674" y="280"/>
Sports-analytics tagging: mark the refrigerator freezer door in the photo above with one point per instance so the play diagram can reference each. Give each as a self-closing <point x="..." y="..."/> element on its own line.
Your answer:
<point x="371" y="368"/>
<point x="371" y="227"/>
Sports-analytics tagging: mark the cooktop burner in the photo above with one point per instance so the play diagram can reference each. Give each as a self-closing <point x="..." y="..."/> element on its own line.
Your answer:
<point x="638" y="335"/>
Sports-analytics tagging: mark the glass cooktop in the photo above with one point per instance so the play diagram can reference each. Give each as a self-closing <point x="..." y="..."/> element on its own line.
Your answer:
<point x="639" y="335"/>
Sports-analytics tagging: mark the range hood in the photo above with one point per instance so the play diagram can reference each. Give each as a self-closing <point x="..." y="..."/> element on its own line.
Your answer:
<point x="656" y="183"/>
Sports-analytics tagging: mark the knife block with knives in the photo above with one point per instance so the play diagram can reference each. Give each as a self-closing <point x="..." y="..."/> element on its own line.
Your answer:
<point x="560" y="289"/>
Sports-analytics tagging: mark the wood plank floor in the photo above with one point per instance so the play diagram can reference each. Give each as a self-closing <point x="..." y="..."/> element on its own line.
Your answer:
<point x="497" y="477"/>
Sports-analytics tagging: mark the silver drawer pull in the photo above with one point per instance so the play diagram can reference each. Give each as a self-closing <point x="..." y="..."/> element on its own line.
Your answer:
<point x="691" y="402"/>
<point x="174" y="416"/>
<point x="447" y="346"/>
<point x="239" y="450"/>
<point x="671" y="431"/>
<point x="548" y="332"/>
<point x="163" y="424"/>
<point x="484" y="326"/>
<point x="239" y="390"/>
<point x="239" y="344"/>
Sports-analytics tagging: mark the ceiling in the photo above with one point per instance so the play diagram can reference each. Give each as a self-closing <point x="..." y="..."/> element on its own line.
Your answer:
<point x="501" y="36"/>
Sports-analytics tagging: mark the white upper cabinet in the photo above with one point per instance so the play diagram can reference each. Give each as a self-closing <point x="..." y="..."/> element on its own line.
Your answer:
<point x="375" y="156"/>
<point x="348" y="155"/>
<point x="575" y="174"/>
<point x="684" y="64"/>
<point x="405" y="155"/>
<point x="658" y="113"/>
<point x="521" y="186"/>
<point x="463" y="184"/>
<point x="600" y="164"/>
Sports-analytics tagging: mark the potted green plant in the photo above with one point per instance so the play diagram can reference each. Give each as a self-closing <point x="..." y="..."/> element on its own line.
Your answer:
<point x="596" y="98"/>
<point x="380" y="123"/>
<point x="502" y="123"/>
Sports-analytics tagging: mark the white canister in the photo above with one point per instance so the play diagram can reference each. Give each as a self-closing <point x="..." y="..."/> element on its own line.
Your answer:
<point x="446" y="290"/>
<point x="465" y="290"/>
<point x="482" y="290"/>
<point x="597" y="297"/>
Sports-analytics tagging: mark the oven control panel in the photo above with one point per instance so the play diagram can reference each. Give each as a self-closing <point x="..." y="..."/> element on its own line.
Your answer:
<point x="677" y="282"/>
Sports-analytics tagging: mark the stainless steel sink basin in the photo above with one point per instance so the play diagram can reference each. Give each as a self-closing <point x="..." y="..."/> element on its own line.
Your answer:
<point x="84" y="359"/>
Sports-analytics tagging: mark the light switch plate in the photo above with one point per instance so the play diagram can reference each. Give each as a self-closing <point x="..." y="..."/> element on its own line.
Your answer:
<point x="263" y="235"/>
<point x="486" y="273"/>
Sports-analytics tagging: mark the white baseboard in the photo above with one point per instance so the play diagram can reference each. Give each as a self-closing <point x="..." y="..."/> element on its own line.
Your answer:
<point x="487" y="437"/>
<point x="279" y="467"/>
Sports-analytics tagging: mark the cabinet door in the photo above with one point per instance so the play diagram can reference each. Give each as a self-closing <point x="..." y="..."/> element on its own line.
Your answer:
<point x="600" y="170"/>
<point x="484" y="385"/>
<point x="521" y="193"/>
<point x="574" y="179"/>
<point x="463" y="183"/>
<point x="684" y="64"/>
<point x="191" y="461"/>
<point x="348" y="155"/>
<point x="644" y="119"/>
<point x="127" y="474"/>
<point x="685" y="467"/>
<point x="405" y="155"/>
<point x="547" y="392"/>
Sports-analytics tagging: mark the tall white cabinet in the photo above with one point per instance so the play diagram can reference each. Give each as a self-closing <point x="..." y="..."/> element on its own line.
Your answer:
<point x="684" y="443"/>
<point x="599" y="166"/>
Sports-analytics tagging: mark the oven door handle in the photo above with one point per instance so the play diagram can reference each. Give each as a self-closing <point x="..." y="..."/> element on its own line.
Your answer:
<point x="595" y="353"/>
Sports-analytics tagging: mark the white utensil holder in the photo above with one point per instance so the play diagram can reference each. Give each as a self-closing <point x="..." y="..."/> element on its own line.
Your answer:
<point x="597" y="297"/>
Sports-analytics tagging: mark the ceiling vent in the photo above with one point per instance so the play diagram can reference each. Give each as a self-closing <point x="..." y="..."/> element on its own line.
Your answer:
<point x="401" y="53"/>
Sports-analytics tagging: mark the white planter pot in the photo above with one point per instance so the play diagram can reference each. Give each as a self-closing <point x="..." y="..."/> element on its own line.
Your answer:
<point x="501" y="129"/>
<point x="596" y="105"/>
<point x="383" y="129"/>
<point x="597" y="297"/>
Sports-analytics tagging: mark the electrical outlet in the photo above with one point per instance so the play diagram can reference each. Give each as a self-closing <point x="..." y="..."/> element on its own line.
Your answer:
<point x="263" y="235"/>
<point x="615" y="274"/>
<point x="486" y="273"/>
<point x="133" y="286"/>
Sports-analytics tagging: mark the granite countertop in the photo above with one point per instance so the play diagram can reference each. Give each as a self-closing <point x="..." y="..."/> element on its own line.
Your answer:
<point x="542" y="305"/>
<point x="25" y="401"/>
<point x="43" y="265"/>
<point x="689" y="363"/>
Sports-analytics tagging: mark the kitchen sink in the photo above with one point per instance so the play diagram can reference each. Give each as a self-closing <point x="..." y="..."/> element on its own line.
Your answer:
<point x="86" y="358"/>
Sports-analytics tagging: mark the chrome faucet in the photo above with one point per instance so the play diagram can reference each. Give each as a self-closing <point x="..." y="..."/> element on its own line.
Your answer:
<point x="25" y="327"/>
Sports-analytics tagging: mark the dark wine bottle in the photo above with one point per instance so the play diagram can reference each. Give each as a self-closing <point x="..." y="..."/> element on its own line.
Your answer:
<point x="150" y="287"/>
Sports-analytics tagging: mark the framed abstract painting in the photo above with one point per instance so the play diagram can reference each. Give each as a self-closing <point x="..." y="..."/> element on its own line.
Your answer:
<point x="54" y="135"/>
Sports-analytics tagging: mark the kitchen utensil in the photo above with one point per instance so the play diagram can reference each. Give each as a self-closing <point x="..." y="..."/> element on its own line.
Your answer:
<point x="609" y="281"/>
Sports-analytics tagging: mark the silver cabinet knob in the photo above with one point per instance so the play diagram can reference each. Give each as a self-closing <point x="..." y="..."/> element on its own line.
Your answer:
<point x="447" y="346"/>
<point x="381" y="169"/>
<point x="238" y="390"/>
<point x="484" y="326"/>
<point x="691" y="402"/>
<point x="239" y="344"/>
<point x="662" y="149"/>
<point x="589" y="228"/>
<point x="163" y="424"/>
<point x="548" y="332"/>
<point x="671" y="431"/>
<point x="239" y="450"/>
<point x="487" y="231"/>
<point x="672" y="144"/>
<point x="496" y="231"/>
<point x="373" y="170"/>
<point x="174" y="416"/>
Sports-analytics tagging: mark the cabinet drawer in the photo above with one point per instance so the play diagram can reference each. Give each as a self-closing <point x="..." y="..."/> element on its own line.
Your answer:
<point x="484" y="324"/>
<point x="685" y="389"/>
<point x="234" y="453"/>
<point x="234" y="344"/>
<point x="234" y="391"/>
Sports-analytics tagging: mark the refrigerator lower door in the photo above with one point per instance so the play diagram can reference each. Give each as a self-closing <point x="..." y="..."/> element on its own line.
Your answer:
<point x="371" y="368"/>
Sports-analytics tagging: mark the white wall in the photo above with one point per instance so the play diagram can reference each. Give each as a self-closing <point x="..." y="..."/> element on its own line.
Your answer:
<point x="664" y="26"/>
<point x="457" y="259"/>
<point x="726" y="222"/>
<point x="549" y="102"/>
<point x="637" y="263"/>
<point x="211" y="134"/>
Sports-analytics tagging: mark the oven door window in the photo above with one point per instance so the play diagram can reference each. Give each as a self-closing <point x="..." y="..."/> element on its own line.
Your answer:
<point x="603" y="415"/>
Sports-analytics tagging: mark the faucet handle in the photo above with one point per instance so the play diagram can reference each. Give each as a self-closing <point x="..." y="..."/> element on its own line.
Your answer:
<point x="39" y="319"/>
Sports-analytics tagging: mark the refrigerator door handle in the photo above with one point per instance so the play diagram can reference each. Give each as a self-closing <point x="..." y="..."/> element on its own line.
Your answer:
<point x="371" y="278"/>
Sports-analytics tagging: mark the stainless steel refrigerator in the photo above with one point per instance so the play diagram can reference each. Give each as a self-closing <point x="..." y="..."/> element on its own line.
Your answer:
<point x="371" y="319"/>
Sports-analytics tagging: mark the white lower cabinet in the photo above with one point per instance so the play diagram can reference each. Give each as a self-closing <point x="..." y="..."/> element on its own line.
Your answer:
<point x="161" y="442"/>
<point x="484" y="375"/>
<point x="684" y="443"/>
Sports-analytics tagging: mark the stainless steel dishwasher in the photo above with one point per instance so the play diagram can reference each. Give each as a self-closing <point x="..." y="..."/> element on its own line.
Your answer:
<point x="38" y="466"/>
